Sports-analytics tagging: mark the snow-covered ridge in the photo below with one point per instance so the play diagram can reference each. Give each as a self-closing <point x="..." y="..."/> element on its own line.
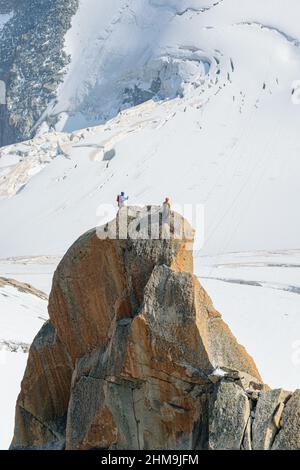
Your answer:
<point x="186" y="72"/>
<point x="107" y="74"/>
<point x="23" y="288"/>
<point x="20" y="162"/>
<point x="125" y="52"/>
<point x="180" y="7"/>
<point x="23" y="310"/>
<point x="13" y="346"/>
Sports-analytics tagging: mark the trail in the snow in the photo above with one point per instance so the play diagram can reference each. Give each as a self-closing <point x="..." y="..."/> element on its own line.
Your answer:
<point x="272" y="29"/>
<point x="268" y="285"/>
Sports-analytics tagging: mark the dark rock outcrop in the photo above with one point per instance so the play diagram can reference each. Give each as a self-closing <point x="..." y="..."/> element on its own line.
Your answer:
<point x="136" y="357"/>
<point x="268" y="415"/>
<point x="32" y="61"/>
<point x="22" y="287"/>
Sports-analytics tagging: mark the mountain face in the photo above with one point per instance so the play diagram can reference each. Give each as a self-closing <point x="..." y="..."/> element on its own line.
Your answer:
<point x="67" y="64"/>
<point x="55" y="75"/>
<point x="32" y="61"/>
<point x="135" y="356"/>
<point x="197" y="100"/>
<point x="177" y="108"/>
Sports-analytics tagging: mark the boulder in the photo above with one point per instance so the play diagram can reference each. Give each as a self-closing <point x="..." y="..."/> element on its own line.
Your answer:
<point x="151" y="382"/>
<point x="228" y="417"/>
<point x="288" y="436"/>
<point x="102" y="277"/>
<point x="268" y="413"/>
<point x="135" y="356"/>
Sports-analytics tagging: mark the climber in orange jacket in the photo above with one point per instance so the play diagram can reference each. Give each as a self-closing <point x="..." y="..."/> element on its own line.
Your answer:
<point x="166" y="209"/>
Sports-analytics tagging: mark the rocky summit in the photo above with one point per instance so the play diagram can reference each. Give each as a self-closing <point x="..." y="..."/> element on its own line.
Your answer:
<point x="135" y="356"/>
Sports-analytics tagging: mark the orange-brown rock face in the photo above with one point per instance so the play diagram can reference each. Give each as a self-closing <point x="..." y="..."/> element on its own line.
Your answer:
<point x="101" y="280"/>
<point x="42" y="405"/>
<point x="153" y="376"/>
<point x="134" y="349"/>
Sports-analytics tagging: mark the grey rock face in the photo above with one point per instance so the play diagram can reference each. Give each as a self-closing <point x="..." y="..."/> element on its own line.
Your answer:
<point x="32" y="61"/>
<point x="289" y="434"/>
<point x="228" y="417"/>
<point x="265" y="426"/>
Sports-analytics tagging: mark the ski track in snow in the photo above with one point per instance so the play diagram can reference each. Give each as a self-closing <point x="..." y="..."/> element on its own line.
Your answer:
<point x="174" y="8"/>
<point x="283" y="287"/>
<point x="272" y="29"/>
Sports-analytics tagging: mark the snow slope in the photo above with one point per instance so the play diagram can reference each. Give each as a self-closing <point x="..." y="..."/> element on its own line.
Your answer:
<point x="34" y="270"/>
<point x="222" y="130"/>
<point x="259" y="296"/>
<point x="12" y="367"/>
<point x="195" y="100"/>
<point x="23" y="311"/>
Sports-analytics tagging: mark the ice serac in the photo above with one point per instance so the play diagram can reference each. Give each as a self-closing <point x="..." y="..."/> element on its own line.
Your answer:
<point x="135" y="356"/>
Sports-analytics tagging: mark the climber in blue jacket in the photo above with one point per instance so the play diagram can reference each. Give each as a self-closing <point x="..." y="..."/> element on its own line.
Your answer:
<point x="121" y="199"/>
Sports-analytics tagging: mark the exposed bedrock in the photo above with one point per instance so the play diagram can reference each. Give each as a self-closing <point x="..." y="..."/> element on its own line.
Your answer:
<point x="135" y="356"/>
